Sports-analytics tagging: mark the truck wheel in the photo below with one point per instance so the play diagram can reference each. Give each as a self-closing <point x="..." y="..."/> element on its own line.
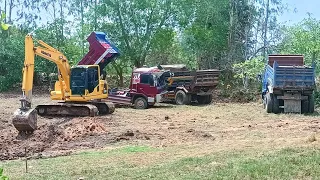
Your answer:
<point x="181" y="97"/>
<point x="201" y="99"/>
<point x="209" y="99"/>
<point x="188" y="99"/>
<point x="305" y="107"/>
<point x="311" y="103"/>
<point x="275" y="107"/>
<point x="140" y="103"/>
<point x="269" y="103"/>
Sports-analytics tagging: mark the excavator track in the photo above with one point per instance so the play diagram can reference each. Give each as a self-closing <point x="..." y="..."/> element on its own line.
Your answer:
<point x="76" y="109"/>
<point x="26" y="120"/>
<point x="67" y="109"/>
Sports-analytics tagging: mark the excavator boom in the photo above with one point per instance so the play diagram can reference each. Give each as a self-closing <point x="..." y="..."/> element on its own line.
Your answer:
<point x="25" y="118"/>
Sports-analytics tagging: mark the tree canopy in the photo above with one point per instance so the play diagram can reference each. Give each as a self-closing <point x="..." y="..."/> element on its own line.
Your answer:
<point x="202" y="34"/>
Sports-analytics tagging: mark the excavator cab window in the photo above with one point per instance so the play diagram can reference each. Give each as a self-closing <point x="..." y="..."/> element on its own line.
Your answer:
<point x="82" y="79"/>
<point x="78" y="80"/>
<point x="93" y="78"/>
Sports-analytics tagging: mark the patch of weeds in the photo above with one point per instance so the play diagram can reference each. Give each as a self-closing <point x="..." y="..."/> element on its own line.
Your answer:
<point x="123" y="150"/>
<point x="3" y="177"/>
<point x="135" y="149"/>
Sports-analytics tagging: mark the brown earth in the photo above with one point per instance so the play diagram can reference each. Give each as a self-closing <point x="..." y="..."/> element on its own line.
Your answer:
<point x="218" y="127"/>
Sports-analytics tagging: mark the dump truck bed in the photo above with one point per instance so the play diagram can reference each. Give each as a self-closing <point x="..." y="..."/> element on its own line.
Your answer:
<point x="101" y="51"/>
<point x="288" y="85"/>
<point x="283" y="76"/>
<point x="195" y="80"/>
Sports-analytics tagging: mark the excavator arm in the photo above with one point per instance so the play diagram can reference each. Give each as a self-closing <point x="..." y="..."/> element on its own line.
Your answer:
<point x="25" y="118"/>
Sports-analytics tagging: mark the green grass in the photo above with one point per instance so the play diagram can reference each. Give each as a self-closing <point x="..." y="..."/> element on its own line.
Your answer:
<point x="118" y="164"/>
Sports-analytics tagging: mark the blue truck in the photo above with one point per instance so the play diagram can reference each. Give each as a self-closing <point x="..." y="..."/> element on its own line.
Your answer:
<point x="288" y="85"/>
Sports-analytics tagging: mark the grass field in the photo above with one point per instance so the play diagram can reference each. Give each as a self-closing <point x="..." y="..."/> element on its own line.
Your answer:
<point x="129" y="163"/>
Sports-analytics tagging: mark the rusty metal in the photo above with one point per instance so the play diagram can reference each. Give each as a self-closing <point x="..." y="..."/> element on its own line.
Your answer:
<point x="286" y="60"/>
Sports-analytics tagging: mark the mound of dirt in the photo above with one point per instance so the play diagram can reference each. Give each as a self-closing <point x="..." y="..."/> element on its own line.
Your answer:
<point x="55" y="137"/>
<point x="64" y="137"/>
<point x="86" y="127"/>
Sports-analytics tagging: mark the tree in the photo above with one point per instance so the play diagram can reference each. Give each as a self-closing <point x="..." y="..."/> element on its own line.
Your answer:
<point x="266" y="31"/>
<point x="303" y="38"/>
<point x="136" y="22"/>
<point x="248" y="70"/>
<point x="4" y="26"/>
<point x="11" y="57"/>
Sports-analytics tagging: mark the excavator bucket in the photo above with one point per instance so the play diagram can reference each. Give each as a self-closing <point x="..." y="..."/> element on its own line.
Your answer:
<point x="25" y="120"/>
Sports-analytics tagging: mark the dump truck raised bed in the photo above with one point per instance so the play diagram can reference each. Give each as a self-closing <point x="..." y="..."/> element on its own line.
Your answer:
<point x="101" y="51"/>
<point x="156" y="84"/>
<point x="288" y="85"/>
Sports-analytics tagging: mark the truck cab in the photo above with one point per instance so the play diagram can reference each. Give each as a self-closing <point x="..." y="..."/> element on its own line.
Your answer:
<point x="147" y="87"/>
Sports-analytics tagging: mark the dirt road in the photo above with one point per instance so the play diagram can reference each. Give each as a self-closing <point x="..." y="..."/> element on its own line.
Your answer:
<point x="218" y="127"/>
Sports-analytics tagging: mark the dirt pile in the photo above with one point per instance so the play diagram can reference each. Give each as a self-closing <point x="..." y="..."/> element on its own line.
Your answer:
<point x="86" y="127"/>
<point x="55" y="137"/>
<point x="64" y="137"/>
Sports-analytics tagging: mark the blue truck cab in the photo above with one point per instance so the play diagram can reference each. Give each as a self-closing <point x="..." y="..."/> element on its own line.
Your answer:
<point x="288" y="85"/>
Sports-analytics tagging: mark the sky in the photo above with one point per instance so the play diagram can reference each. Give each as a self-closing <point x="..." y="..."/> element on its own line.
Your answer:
<point x="302" y="7"/>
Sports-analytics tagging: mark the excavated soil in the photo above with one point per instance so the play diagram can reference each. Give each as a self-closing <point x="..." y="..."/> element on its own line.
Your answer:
<point x="201" y="129"/>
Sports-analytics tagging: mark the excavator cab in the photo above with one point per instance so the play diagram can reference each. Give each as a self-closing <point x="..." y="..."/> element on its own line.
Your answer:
<point x="84" y="79"/>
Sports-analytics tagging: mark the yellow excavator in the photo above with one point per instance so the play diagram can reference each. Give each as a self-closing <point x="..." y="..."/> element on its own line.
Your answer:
<point x="80" y="90"/>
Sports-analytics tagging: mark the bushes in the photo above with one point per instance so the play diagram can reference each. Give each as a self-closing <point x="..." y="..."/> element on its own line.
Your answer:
<point x="11" y="58"/>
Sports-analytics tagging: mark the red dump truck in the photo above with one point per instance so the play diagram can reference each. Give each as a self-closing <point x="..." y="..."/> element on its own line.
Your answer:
<point x="157" y="84"/>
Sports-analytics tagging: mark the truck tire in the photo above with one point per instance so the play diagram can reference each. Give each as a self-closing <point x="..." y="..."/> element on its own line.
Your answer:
<point x="188" y="99"/>
<point x="209" y="99"/>
<point x="269" y="102"/>
<point x="275" y="107"/>
<point x="201" y="99"/>
<point x="311" y="103"/>
<point x="181" y="98"/>
<point x="140" y="103"/>
<point x="305" y="107"/>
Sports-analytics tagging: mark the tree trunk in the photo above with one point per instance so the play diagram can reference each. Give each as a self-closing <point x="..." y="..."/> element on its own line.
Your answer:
<point x="95" y="15"/>
<point x="10" y="11"/>
<point x="313" y="57"/>
<point x="5" y="10"/>
<point x="55" y="22"/>
<point x="121" y="83"/>
<point x="61" y="22"/>
<point x="138" y="64"/>
<point x="266" y="31"/>
<point x="82" y="33"/>
<point x="231" y="31"/>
